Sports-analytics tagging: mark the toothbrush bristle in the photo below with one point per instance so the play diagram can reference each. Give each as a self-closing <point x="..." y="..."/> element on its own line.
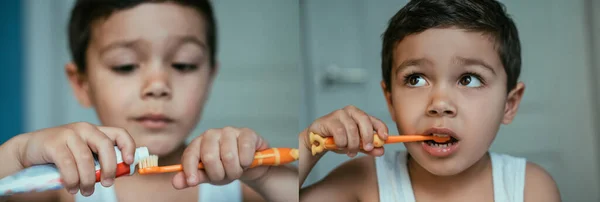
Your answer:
<point x="150" y="161"/>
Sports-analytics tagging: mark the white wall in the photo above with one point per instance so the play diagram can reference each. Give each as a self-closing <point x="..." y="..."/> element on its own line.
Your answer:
<point x="258" y="50"/>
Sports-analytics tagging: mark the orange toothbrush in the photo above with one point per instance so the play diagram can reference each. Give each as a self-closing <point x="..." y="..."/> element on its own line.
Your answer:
<point x="271" y="157"/>
<point x="321" y="143"/>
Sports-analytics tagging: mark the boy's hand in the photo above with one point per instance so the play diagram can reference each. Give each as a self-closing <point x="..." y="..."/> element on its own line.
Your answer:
<point x="226" y="154"/>
<point x="348" y="127"/>
<point x="70" y="148"/>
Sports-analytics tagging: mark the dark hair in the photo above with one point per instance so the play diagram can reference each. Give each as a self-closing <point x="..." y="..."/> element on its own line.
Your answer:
<point x="85" y="12"/>
<point x="487" y="16"/>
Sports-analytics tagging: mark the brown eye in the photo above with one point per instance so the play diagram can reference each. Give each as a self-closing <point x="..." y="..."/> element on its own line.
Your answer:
<point x="415" y="80"/>
<point x="465" y="80"/>
<point x="471" y="80"/>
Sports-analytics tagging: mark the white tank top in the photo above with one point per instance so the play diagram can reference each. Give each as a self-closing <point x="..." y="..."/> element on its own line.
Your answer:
<point x="207" y="193"/>
<point x="394" y="182"/>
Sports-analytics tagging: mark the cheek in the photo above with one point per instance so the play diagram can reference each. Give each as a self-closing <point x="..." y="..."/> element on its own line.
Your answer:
<point x="191" y="95"/>
<point x="482" y="113"/>
<point x="111" y="98"/>
<point x="409" y="107"/>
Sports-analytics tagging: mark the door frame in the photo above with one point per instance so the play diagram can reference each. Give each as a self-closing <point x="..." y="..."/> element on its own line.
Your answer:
<point x="592" y="9"/>
<point x="46" y="52"/>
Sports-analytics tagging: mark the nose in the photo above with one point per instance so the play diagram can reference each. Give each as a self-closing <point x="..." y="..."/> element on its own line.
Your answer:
<point x="157" y="85"/>
<point x="441" y="105"/>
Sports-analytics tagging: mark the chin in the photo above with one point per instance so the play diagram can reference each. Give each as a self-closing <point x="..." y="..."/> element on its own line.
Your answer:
<point x="441" y="169"/>
<point x="160" y="145"/>
<point x="447" y="166"/>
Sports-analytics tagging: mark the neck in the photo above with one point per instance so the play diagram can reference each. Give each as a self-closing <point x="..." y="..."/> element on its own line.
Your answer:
<point x="172" y="158"/>
<point x="420" y="177"/>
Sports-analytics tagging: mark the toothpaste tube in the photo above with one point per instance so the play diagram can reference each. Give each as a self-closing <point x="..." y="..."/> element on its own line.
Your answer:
<point x="46" y="177"/>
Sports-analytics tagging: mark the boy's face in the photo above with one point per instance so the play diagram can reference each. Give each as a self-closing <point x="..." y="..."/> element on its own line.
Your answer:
<point x="148" y="71"/>
<point x="452" y="81"/>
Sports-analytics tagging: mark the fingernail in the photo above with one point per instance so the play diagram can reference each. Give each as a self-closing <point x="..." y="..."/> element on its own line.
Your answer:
<point x="368" y="147"/>
<point x="107" y="182"/>
<point x="73" y="190"/>
<point x="130" y="158"/>
<point x="192" y="179"/>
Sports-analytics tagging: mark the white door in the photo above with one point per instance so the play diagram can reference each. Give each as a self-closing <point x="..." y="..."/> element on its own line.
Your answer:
<point x="257" y="85"/>
<point x="554" y="126"/>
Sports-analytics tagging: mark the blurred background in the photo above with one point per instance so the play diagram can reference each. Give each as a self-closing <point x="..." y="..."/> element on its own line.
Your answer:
<point x="310" y="57"/>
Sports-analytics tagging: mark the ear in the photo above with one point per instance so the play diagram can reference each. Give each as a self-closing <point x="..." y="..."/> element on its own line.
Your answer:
<point x="512" y="103"/>
<point x="79" y="84"/>
<point x="388" y="98"/>
<point x="213" y="73"/>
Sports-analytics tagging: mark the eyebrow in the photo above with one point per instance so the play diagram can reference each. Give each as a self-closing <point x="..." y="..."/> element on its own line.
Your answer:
<point x="473" y="62"/>
<point x="119" y="44"/>
<point x="132" y="43"/>
<point x="457" y="60"/>
<point x="190" y="39"/>
<point x="411" y="62"/>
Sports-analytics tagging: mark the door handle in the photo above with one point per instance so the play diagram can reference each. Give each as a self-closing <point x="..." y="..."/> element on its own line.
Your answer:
<point x="335" y="75"/>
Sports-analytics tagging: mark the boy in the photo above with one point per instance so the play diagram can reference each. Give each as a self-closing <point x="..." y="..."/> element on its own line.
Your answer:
<point x="146" y="67"/>
<point x="450" y="68"/>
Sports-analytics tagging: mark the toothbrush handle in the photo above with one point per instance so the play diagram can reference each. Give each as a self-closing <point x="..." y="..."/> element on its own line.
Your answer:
<point x="319" y="144"/>
<point x="270" y="157"/>
<point x="329" y="143"/>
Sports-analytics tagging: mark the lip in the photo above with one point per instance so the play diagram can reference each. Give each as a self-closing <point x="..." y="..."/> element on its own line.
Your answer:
<point x="440" y="151"/>
<point x="154" y="121"/>
<point x="444" y="131"/>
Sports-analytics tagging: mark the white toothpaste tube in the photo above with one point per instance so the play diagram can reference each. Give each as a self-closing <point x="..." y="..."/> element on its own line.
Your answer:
<point x="39" y="178"/>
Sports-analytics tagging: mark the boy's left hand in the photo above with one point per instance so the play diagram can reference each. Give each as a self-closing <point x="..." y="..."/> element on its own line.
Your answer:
<point x="226" y="153"/>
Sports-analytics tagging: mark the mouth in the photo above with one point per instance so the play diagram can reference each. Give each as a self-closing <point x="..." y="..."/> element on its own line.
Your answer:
<point x="442" y="133"/>
<point x="154" y="121"/>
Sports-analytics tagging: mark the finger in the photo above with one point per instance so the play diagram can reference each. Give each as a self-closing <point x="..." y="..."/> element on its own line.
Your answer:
<point x="190" y="160"/>
<point x="230" y="154"/>
<point x="104" y="147"/>
<point x="209" y="155"/>
<point x="365" y="127"/>
<point x="352" y="133"/>
<point x="377" y="151"/>
<point x="328" y="127"/>
<point x="338" y="130"/>
<point x="380" y="127"/>
<point x="85" y="164"/>
<point x="247" y="144"/>
<point x="65" y="162"/>
<point x="124" y="142"/>
<point x="179" y="181"/>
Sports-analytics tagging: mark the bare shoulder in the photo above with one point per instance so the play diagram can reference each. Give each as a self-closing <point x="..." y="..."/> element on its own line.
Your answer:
<point x="354" y="180"/>
<point x="539" y="185"/>
<point x="250" y="195"/>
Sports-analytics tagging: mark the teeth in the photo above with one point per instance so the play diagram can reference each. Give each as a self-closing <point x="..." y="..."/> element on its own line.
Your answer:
<point x="440" y="135"/>
<point x="434" y="144"/>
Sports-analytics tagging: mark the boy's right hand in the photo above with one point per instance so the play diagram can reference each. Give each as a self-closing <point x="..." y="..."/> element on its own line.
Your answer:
<point x="348" y="127"/>
<point x="70" y="148"/>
